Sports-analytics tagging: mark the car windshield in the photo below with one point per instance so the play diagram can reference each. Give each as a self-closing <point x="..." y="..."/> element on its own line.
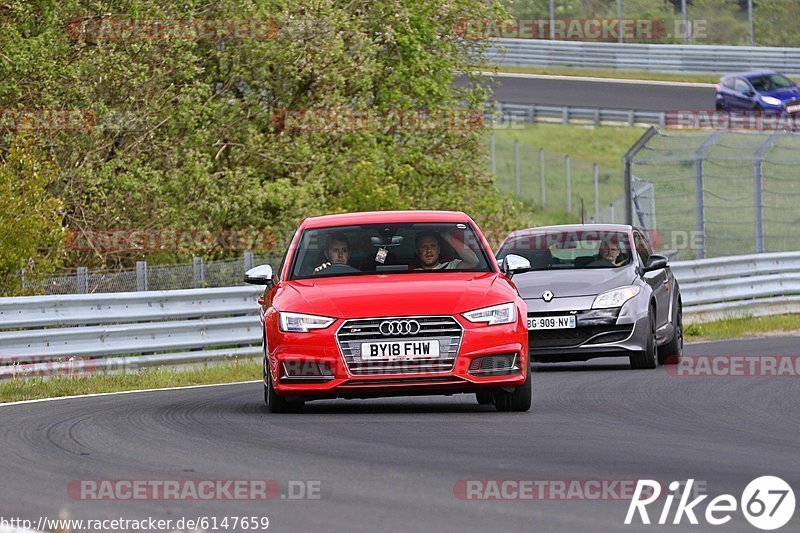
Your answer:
<point x="388" y="249"/>
<point x="770" y="82"/>
<point x="570" y="250"/>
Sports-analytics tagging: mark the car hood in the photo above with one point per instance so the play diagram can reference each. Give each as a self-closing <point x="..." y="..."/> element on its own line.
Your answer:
<point x="571" y="283"/>
<point x="784" y="95"/>
<point x="439" y="293"/>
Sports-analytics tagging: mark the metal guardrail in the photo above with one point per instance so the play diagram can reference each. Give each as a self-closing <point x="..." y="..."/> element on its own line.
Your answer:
<point x="648" y="57"/>
<point x="746" y="285"/>
<point x="533" y="113"/>
<point x="77" y="334"/>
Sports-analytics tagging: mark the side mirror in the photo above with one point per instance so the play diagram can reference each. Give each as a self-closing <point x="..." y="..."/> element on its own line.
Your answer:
<point x="514" y="264"/>
<point x="749" y="93"/>
<point x="656" y="262"/>
<point x="260" y="275"/>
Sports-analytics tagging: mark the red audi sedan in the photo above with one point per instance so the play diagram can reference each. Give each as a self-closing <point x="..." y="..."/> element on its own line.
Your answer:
<point x="392" y="303"/>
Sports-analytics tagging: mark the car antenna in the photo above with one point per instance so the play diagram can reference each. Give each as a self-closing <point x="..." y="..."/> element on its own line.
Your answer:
<point x="582" y="215"/>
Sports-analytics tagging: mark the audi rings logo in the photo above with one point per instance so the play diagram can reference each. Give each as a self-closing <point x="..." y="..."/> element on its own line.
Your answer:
<point x="399" y="327"/>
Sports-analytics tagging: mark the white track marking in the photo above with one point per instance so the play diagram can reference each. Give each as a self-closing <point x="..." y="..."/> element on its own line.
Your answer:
<point x="125" y="392"/>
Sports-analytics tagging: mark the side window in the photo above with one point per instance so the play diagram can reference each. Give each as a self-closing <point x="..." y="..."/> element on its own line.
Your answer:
<point x="740" y="86"/>
<point x="729" y="82"/>
<point x="642" y="248"/>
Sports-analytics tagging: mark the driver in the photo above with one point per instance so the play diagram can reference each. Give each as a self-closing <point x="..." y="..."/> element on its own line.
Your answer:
<point x="609" y="251"/>
<point x="337" y="251"/>
<point x="428" y="245"/>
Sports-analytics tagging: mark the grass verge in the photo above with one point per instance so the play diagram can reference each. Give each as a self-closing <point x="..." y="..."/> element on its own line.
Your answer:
<point x="732" y="328"/>
<point x="155" y="378"/>
<point x="605" y="73"/>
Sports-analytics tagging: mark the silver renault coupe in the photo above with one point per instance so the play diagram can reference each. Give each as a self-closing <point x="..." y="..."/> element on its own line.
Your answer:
<point x="595" y="290"/>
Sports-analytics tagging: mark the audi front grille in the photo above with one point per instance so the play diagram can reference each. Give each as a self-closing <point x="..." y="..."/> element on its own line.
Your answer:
<point x="444" y="329"/>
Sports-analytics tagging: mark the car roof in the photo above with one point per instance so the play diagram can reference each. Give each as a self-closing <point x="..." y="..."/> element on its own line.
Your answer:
<point x="750" y="73"/>
<point x="571" y="227"/>
<point x="384" y="217"/>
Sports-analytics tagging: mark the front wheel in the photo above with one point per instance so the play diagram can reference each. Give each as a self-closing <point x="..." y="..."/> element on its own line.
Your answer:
<point x="648" y="357"/>
<point x="519" y="400"/>
<point x="671" y="353"/>
<point x="276" y="403"/>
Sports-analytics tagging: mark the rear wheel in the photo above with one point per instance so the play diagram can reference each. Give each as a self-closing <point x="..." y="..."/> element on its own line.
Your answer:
<point x="671" y="353"/>
<point x="648" y="357"/>
<point x="519" y="400"/>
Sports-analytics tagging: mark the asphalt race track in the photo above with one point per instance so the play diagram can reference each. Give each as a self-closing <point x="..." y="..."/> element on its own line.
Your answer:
<point x="392" y="464"/>
<point x="635" y="95"/>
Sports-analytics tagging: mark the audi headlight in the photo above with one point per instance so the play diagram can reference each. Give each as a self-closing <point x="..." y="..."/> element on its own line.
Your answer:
<point x="300" y="323"/>
<point x="496" y="314"/>
<point x="615" y="298"/>
<point x="771" y="100"/>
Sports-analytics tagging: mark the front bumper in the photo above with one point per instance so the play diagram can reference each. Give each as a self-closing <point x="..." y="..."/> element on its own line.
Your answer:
<point x="344" y="380"/>
<point x="598" y="333"/>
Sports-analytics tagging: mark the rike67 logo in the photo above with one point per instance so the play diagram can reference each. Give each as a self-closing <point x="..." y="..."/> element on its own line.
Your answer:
<point x="767" y="503"/>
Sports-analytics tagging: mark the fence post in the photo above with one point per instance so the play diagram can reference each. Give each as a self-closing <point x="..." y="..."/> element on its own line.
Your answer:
<point x="758" y="190"/>
<point x="83" y="280"/>
<point x="493" y="154"/>
<point x="569" y="185"/>
<point x="699" y="206"/>
<point x="541" y="175"/>
<point x="249" y="260"/>
<point x="516" y="166"/>
<point x="199" y="269"/>
<point x="596" y="192"/>
<point x="141" y="275"/>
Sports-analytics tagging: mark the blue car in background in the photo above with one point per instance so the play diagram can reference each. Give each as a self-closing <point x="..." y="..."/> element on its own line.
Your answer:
<point x="758" y="90"/>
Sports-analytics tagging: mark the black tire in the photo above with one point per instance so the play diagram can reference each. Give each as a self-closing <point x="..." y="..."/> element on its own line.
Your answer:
<point x="517" y="401"/>
<point x="647" y="358"/>
<point x="276" y="403"/>
<point x="672" y="352"/>
<point x="485" y="397"/>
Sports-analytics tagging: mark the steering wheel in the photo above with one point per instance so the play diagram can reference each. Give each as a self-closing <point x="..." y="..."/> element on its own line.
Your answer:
<point x="600" y="263"/>
<point x="337" y="268"/>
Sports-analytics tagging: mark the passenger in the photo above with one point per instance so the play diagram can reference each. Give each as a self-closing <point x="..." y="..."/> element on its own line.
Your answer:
<point x="428" y="245"/>
<point x="337" y="252"/>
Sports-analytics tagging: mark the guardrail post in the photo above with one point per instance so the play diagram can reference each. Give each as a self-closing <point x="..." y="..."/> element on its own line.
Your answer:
<point x="141" y="275"/>
<point x="199" y="269"/>
<point x="541" y="177"/>
<point x="662" y="120"/>
<point x="532" y="114"/>
<point x="82" y="280"/>
<point x="596" y="192"/>
<point x="631" y="118"/>
<point x="597" y="117"/>
<point x="516" y="166"/>
<point x="249" y="261"/>
<point x="565" y="115"/>
<point x="493" y="154"/>
<point x="613" y="214"/>
<point x="569" y="185"/>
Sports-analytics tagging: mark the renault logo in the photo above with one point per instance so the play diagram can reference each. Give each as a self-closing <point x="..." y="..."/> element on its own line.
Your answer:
<point x="399" y="327"/>
<point x="547" y="295"/>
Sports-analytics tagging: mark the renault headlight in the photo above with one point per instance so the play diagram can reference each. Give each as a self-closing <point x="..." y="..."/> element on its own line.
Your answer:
<point x="615" y="298"/>
<point x="300" y="323"/>
<point x="771" y="100"/>
<point x="496" y="314"/>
